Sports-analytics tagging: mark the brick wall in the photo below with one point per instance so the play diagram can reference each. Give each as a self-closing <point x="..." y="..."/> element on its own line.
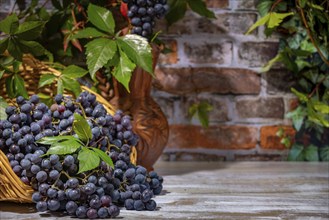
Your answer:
<point x="213" y="60"/>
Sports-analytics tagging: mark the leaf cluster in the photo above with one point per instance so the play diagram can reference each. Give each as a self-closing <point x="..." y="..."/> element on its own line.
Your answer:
<point x="304" y="51"/>
<point x="89" y="157"/>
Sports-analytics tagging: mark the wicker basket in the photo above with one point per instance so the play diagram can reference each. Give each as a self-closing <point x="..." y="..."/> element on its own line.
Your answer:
<point x="11" y="187"/>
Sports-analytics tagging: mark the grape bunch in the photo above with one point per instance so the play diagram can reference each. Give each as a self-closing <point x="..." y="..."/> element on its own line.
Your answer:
<point x="58" y="186"/>
<point x="142" y="15"/>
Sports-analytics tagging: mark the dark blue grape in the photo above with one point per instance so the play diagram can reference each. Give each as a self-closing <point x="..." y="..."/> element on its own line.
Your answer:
<point x="36" y="197"/>
<point x="129" y="204"/>
<point x="71" y="207"/>
<point x="151" y="205"/>
<point x="54" y="174"/>
<point x="92" y="213"/>
<point x="41" y="206"/>
<point x="147" y="195"/>
<point x="52" y="193"/>
<point x="81" y="212"/>
<point x="41" y="176"/>
<point x="139" y="205"/>
<point x="53" y="205"/>
<point x="34" y="99"/>
<point x="113" y="211"/>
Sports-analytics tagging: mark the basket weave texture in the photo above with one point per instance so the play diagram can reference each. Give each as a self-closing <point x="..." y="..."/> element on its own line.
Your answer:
<point x="11" y="187"/>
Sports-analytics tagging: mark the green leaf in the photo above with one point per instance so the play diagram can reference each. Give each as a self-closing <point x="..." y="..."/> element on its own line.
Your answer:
<point x="29" y="30"/>
<point x="53" y="140"/>
<point x="31" y="47"/>
<point x="20" y="87"/>
<point x="263" y="7"/>
<point x="14" y="49"/>
<point x="193" y="109"/>
<point x="311" y="153"/>
<point x="200" y="7"/>
<point x="203" y="113"/>
<point x="10" y="86"/>
<point x="123" y="71"/>
<point x="297" y="116"/>
<point x="88" y="160"/>
<point x="138" y="50"/>
<point x="302" y="97"/>
<point x="99" y="52"/>
<point x="270" y="63"/>
<point x="106" y="158"/>
<point x="276" y="18"/>
<point x="74" y="72"/>
<point x="114" y="61"/>
<point x="321" y="107"/>
<point x="3" y="45"/>
<point x="64" y="147"/>
<point x="71" y="85"/>
<point x="296" y="153"/>
<point x="324" y="153"/>
<point x="88" y="32"/>
<point x="260" y="22"/>
<point x="81" y="128"/>
<point x="46" y="79"/>
<point x="1" y="73"/>
<point x="302" y="3"/>
<point x="3" y="106"/>
<point x="60" y="86"/>
<point x="101" y="18"/>
<point x="177" y="10"/>
<point x="9" y="25"/>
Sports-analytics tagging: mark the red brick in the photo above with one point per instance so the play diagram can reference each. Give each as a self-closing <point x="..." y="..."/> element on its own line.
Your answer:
<point x="269" y="138"/>
<point x="214" y="137"/>
<point x="279" y="80"/>
<point x="214" y="80"/>
<point x="169" y="58"/>
<point x="257" y="54"/>
<point x="260" y="108"/>
<point x="246" y="4"/>
<point x="228" y="22"/>
<point x="217" y="3"/>
<point x="209" y="52"/>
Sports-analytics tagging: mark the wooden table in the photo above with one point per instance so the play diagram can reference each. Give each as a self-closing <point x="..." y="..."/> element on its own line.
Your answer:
<point x="219" y="190"/>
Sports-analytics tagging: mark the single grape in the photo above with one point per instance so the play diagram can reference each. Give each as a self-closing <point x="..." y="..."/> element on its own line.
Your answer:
<point x="71" y="207"/>
<point x="81" y="212"/>
<point x="53" y="205"/>
<point x="151" y="205"/>
<point x="129" y="204"/>
<point x="92" y="213"/>
<point x="41" y="206"/>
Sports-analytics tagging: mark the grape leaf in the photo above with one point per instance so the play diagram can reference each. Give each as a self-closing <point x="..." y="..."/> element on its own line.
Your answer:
<point x="29" y="30"/>
<point x="14" y="49"/>
<point x="101" y="18"/>
<point x="71" y="85"/>
<point x="200" y="7"/>
<point x="99" y="52"/>
<point x="177" y="10"/>
<point x="3" y="106"/>
<point x="31" y="47"/>
<point x="106" y="158"/>
<point x="64" y="147"/>
<point x="52" y="140"/>
<point x="19" y="86"/>
<point x="123" y="71"/>
<point x="60" y="86"/>
<point x="46" y="79"/>
<point x="10" y="24"/>
<point x="10" y="86"/>
<point x="74" y="72"/>
<point x="88" y="32"/>
<point x="81" y="128"/>
<point x="264" y="6"/>
<point x="138" y="50"/>
<point x="88" y="160"/>
<point x="3" y="45"/>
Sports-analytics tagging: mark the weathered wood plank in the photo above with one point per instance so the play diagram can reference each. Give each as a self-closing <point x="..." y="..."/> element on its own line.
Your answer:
<point x="241" y="190"/>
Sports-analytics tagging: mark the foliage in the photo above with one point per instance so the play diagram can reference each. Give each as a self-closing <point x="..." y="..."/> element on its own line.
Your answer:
<point x="201" y="111"/>
<point x="304" y="29"/>
<point x="89" y="157"/>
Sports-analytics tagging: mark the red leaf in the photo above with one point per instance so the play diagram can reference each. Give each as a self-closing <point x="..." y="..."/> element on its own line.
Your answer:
<point x="76" y="44"/>
<point x="124" y="9"/>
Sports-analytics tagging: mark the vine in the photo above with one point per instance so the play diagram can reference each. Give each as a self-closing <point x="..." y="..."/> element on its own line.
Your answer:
<point x="304" y="50"/>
